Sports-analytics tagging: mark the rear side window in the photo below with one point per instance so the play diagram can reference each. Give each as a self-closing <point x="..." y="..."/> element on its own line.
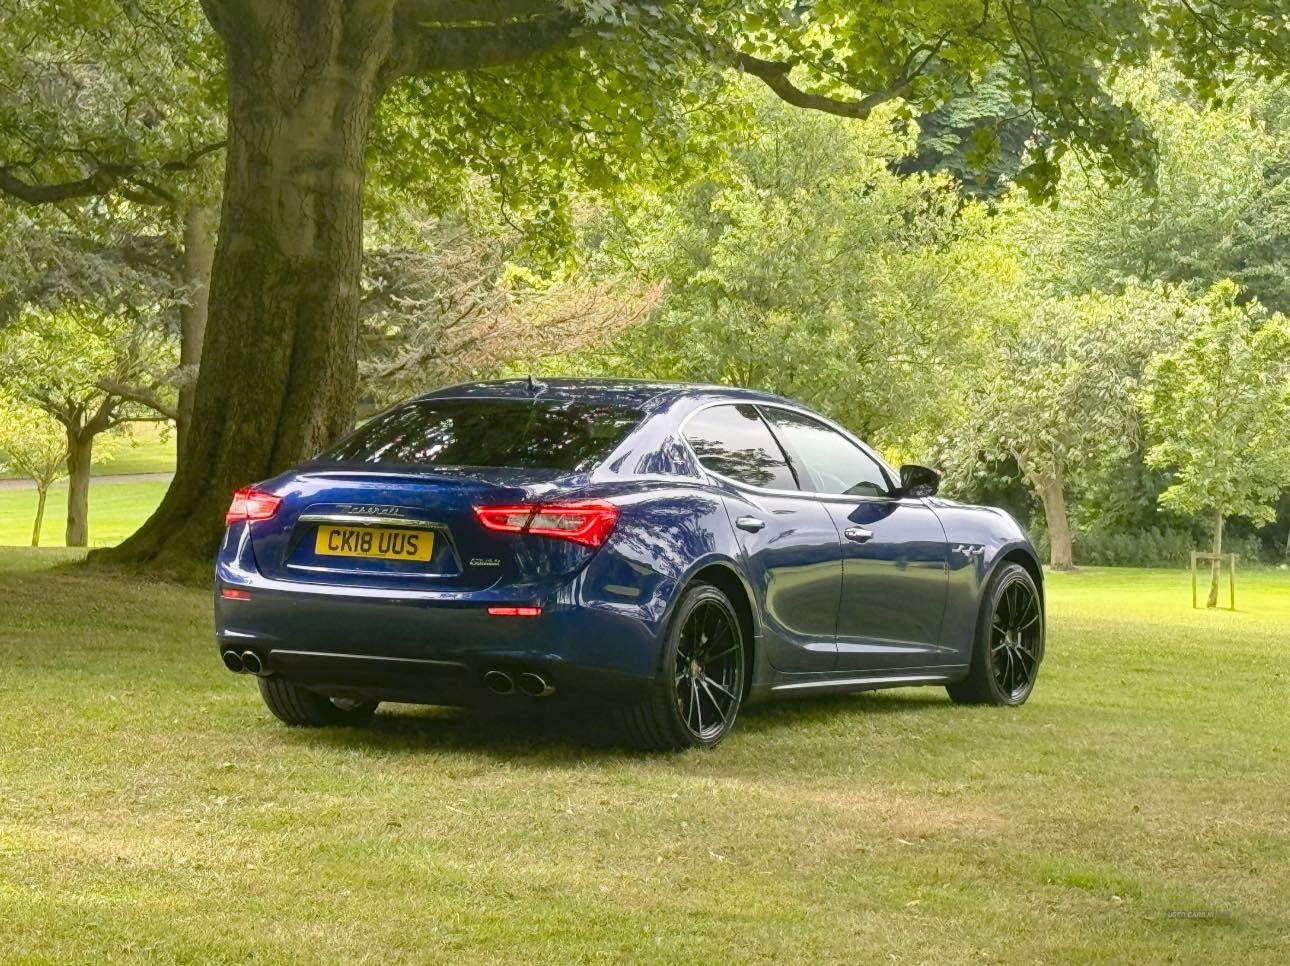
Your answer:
<point x="735" y="442"/>
<point x="834" y="463"/>
<point x="521" y="433"/>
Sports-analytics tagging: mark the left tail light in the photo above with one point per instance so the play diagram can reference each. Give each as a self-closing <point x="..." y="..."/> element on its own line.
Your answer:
<point x="252" y="504"/>
<point x="588" y="522"/>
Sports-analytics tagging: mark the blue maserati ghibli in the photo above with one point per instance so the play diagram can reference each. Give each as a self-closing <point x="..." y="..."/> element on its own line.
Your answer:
<point x="668" y="552"/>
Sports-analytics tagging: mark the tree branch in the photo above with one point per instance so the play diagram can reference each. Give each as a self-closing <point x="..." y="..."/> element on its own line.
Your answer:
<point x="128" y="179"/>
<point x="140" y="395"/>
<point x="99" y="183"/>
<point x="431" y="49"/>
<point x="189" y="161"/>
<point x="774" y="74"/>
<point x="101" y="421"/>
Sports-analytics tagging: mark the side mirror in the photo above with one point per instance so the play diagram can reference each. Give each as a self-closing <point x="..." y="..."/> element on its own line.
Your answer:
<point x="918" y="481"/>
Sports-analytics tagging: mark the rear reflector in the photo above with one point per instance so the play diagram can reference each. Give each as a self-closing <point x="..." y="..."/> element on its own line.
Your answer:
<point x="232" y="593"/>
<point x="588" y="522"/>
<point x="252" y="504"/>
<point x="515" y="611"/>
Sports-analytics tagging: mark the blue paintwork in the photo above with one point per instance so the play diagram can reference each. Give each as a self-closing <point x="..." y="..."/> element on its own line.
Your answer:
<point x="822" y="609"/>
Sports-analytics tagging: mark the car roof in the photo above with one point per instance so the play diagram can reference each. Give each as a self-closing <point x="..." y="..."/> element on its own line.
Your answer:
<point x="628" y="392"/>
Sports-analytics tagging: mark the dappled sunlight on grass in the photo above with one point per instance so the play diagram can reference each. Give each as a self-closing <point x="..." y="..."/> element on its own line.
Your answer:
<point x="151" y="806"/>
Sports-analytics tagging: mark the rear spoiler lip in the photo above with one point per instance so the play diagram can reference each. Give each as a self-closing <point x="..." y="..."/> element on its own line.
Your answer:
<point x="488" y="482"/>
<point x="493" y="475"/>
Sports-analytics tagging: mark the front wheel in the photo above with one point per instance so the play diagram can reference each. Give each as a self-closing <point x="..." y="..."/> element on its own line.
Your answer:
<point x="696" y="700"/>
<point x="1009" y="642"/>
<point x="295" y="705"/>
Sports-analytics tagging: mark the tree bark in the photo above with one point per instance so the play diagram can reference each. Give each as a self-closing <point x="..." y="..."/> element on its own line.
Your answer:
<point x="1215" y="567"/>
<point x="198" y="256"/>
<point x="80" y="449"/>
<point x="1053" y="496"/>
<point x="1051" y="488"/>
<point x="279" y="366"/>
<point x="41" y="493"/>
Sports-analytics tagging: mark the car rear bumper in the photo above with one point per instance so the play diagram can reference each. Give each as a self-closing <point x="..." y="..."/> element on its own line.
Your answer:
<point x="435" y="648"/>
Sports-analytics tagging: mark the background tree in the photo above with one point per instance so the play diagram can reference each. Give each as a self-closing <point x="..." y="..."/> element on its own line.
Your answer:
<point x="1218" y="411"/>
<point x="33" y="446"/>
<point x="978" y="136"/>
<point x="111" y="131"/>
<point x="1218" y="207"/>
<point x="1059" y="396"/>
<point x="541" y="92"/>
<point x="67" y="364"/>
<point x="804" y="265"/>
<point x="448" y="299"/>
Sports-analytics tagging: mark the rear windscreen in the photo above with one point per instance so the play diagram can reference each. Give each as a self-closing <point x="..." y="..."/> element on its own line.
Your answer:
<point x="521" y="433"/>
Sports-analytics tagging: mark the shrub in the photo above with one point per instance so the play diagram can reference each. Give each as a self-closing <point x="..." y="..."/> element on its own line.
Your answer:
<point x="1153" y="547"/>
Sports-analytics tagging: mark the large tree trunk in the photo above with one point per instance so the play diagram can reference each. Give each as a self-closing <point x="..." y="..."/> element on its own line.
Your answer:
<point x="199" y="254"/>
<point x="278" y="369"/>
<point x="1215" y="566"/>
<point x="1059" y="529"/>
<point x="80" y="449"/>
<point x="1051" y="487"/>
<point x="41" y="493"/>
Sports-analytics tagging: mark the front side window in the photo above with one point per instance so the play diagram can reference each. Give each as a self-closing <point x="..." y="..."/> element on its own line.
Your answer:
<point x="734" y="441"/>
<point x="833" y="463"/>
<point x="521" y="433"/>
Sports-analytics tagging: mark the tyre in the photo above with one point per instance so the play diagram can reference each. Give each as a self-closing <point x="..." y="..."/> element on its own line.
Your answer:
<point x="295" y="705"/>
<point x="1009" y="642"/>
<point x="701" y="682"/>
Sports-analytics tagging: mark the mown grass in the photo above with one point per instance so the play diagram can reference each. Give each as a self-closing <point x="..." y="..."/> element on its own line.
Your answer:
<point x="151" y="809"/>
<point x="116" y="511"/>
<point x="149" y="449"/>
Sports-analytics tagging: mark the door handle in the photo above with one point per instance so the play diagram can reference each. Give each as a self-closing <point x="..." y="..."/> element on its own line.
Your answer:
<point x="858" y="534"/>
<point x="751" y="524"/>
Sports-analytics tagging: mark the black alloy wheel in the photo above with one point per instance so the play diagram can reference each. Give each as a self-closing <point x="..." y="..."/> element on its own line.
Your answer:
<point x="709" y="669"/>
<point x="1015" y="638"/>
<point x="1009" y="642"/>
<point x="702" y="680"/>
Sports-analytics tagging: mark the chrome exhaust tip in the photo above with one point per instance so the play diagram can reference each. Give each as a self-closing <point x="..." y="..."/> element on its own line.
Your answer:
<point x="535" y="686"/>
<point x="252" y="664"/>
<point x="499" y="682"/>
<point x="233" y="661"/>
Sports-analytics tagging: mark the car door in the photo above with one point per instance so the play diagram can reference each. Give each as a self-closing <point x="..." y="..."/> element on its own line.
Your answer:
<point x="894" y="552"/>
<point x="792" y="552"/>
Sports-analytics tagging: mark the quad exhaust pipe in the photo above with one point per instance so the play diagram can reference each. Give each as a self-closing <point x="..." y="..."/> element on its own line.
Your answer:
<point x="248" y="662"/>
<point x="527" y="682"/>
<point x="534" y="685"/>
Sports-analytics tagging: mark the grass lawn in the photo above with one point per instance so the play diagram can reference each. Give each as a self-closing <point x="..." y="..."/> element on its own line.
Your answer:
<point x="151" y="449"/>
<point x="1137" y="809"/>
<point x="116" y="510"/>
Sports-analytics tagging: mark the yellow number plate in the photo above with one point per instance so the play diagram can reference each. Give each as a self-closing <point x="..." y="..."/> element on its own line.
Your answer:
<point x="378" y="542"/>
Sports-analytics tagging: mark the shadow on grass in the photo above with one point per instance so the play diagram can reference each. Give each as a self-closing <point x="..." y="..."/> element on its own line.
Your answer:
<point x="773" y="716"/>
<point x="545" y="736"/>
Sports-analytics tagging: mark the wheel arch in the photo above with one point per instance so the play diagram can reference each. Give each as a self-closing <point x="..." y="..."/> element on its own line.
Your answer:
<point x="1027" y="559"/>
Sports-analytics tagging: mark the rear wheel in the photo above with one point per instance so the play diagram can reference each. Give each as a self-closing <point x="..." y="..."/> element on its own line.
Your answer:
<point x="1009" y="642"/>
<point x="696" y="700"/>
<point x="295" y="705"/>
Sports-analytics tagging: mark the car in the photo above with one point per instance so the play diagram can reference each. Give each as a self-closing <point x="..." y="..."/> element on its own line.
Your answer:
<point x="664" y="553"/>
